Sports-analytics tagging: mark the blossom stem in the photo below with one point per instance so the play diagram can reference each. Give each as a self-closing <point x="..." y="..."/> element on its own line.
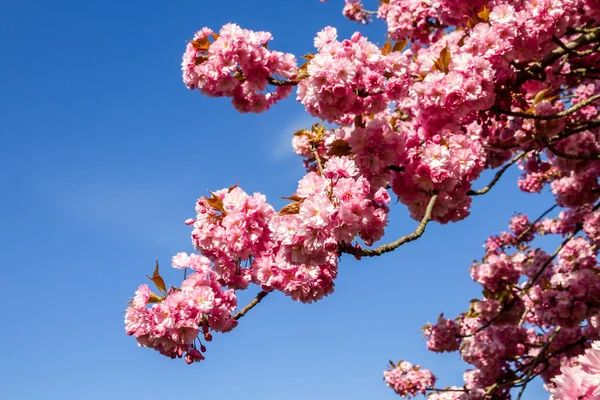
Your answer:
<point x="559" y="115"/>
<point x="386" y="248"/>
<point x="497" y="176"/>
<point x="261" y="295"/>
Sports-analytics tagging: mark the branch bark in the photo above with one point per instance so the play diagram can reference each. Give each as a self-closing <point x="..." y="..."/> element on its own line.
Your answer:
<point x="261" y="295"/>
<point x="497" y="176"/>
<point x="386" y="248"/>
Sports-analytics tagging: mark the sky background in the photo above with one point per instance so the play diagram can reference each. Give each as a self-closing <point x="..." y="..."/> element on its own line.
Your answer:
<point x="103" y="152"/>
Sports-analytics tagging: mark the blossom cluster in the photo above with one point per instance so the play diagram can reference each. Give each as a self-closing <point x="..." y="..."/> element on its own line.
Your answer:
<point x="171" y="324"/>
<point x="409" y="380"/>
<point x="581" y="380"/>
<point x="483" y="84"/>
<point x="237" y="65"/>
<point x="351" y="77"/>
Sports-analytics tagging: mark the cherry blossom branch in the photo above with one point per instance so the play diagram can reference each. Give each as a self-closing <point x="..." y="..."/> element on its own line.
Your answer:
<point x="315" y="154"/>
<point x="533" y="72"/>
<point x="562" y="154"/>
<point x="279" y="82"/>
<point x="577" y="53"/>
<point x="537" y="360"/>
<point x="497" y="176"/>
<point x="578" y="228"/>
<point x="261" y="295"/>
<point x="386" y="248"/>
<point x="447" y="389"/>
<point x="530" y="227"/>
<point x="559" y="115"/>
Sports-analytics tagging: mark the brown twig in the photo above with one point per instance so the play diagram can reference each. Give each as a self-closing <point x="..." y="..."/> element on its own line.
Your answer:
<point x="537" y="360"/>
<point x="578" y="228"/>
<point x="536" y="70"/>
<point x="386" y="248"/>
<point x="497" y="176"/>
<point x="279" y="82"/>
<point x="562" y="154"/>
<point x="559" y="115"/>
<point x="315" y="153"/>
<point x="261" y="295"/>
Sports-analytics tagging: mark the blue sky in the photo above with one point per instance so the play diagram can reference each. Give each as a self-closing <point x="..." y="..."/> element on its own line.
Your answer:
<point x="102" y="154"/>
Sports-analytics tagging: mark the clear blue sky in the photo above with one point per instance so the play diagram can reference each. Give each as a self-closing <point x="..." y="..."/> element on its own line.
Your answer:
<point x="102" y="154"/>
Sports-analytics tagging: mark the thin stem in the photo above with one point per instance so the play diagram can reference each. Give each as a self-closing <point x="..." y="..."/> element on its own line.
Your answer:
<point x="386" y="248"/>
<point x="497" y="176"/>
<point x="553" y="256"/>
<point x="315" y="154"/>
<point x="261" y="295"/>
<point x="536" y="70"/>
<point x="559" y="115"/>
<point x="571" y="156"/>
<point x="279" y="82"/>
<point x="537" y="360"/>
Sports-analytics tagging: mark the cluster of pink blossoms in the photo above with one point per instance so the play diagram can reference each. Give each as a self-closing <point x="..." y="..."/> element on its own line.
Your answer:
<point x="230" y="228"/>
<point x="351" y="77"/>
<point x="483" y="82"/>
<point x="237" y="65"/>
<point x="354" y="10"/>
<point x="172" y="324"/>
<point x="581" y="380"/>
<point x="409" y="380"/>
<point x="333" y="208"/>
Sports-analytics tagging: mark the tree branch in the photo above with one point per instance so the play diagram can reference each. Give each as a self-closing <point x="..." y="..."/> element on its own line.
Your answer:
<point x="315" y="153"/>
<point x="533" y="72"/>
<point x="562" y="154"/>
<point x="497" y="176"/>
<point x="386" y="248"/>
<point x="553" y="256"/>
<point x="279" y="82"/>
<point x="261" y="295"/>
<point x="537" y="360"/>
<point x="559" y="115"/>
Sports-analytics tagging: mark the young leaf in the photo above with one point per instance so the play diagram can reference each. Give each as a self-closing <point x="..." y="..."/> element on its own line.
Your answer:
<point x="399" y="46"/>
<point x="158" y="280"/>
<point x="308" y="56"/>
<point x="292" y="208"/>
<point x="199" y="60"/>
<point x="386" y="48"/>
<point x="215" y="202"/>
<point x="201" y="44"/>
<point x="293" y="197"/>
<point x="484" y="14"/>
<point x="339" y="148"/>
<point x="154" y="298"/>
<point x="239" y="76"/>
<point x="443" y="61"/>
<point x="233" y="187"/>
<point x="302" y="72"/>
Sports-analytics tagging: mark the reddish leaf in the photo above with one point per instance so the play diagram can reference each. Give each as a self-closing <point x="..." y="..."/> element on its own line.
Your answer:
<point x="215" y="202"/>
<point x="339" y="148"/>
<point x="158" y="280"/>
<point x="484" y="14"/>
<point x="233" y="187"/>
<point x="302" y="72"/>
<point x="443" y="61"/>
<point x="292" y="208"/>
<point x="399" y="46"/>
<point x="386" y="48"/>
<point x="293" y="197"/>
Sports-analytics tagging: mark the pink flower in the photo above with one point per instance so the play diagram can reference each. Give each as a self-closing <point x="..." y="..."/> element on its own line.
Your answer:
<point x="180" y="260"/>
